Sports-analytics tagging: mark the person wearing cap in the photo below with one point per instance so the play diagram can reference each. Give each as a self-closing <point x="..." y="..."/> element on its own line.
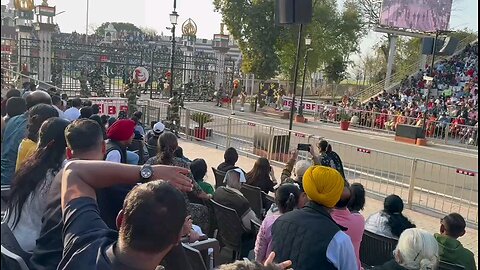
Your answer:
<point x="154" y="133"/>
<point x="120" y="134"/>
<point x="309" y="236"/>
<point x="230" y="196"/>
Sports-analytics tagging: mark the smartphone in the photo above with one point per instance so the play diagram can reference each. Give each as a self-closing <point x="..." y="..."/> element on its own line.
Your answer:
<point x="304" y="147"/>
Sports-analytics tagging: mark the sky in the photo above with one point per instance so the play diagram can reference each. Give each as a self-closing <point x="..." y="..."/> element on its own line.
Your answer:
<point x="155" y="14"/>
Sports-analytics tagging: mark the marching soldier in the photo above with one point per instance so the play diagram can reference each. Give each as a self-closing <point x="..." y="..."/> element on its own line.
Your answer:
<point x="219" y="95"/>
<point x="243" y="99"/>
<point x="280" y="93"/>
<point x="173" y="112"/>
<point x="96" y="82"/>
<point x="84" y="92"/>
<point x="132" y="94"/>
<point x="234" y="96"/>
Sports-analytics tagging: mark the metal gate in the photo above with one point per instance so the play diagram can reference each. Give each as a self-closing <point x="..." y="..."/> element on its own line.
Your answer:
<point x="110" y="67"/>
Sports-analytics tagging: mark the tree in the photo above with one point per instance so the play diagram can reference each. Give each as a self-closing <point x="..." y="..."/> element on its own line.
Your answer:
<point x="251" y="23"/>
<point x="119" y="26"/>
<point x="335" y="71"/>
<point x="334" y="34"/>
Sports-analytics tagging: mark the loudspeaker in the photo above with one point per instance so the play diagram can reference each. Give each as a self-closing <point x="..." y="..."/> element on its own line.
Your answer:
<point x="293" y="11"/>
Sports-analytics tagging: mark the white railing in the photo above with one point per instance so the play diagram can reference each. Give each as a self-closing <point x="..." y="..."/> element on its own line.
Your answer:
<point x="435" y="188"/>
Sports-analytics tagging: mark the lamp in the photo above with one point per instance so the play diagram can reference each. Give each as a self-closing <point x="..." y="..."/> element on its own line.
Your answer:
<point x="173" y="18"/>
<point x="308" y="40"/>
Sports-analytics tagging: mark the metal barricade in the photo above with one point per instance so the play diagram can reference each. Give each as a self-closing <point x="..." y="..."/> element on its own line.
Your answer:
<point x="437" y="188"/>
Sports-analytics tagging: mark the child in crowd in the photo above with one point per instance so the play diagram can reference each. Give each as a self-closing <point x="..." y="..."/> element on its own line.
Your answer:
<point x="450" y="249"/>
<point x="198" y="167"/>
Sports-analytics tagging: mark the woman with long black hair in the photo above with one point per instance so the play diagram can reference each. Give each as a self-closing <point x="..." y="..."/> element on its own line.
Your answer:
<point x="28" y="197"/>
<point x="167" y="144"/>
<point x="389" y="222"/>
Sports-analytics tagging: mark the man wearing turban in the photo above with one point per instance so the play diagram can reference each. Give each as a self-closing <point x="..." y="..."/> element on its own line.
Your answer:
<point x="309" y="237"/>
<point x="120" y="134"/>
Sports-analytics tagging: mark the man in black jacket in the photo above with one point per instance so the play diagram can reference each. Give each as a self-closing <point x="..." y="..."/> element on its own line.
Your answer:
<point x="309" y="236"/>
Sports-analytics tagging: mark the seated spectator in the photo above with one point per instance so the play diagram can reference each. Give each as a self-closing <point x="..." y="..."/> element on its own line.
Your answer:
<point x="95" y="109"/>
<point x="36" y="116"/>
<point x="231" y="157"/>
<point x="14" y="132"/>
<point x="98" y="119"/>
<point x="136" y="117"/>
<point x="104" y="118"/>
<point x="390" y="222"/>
<point x="73" y="113"/>
<point x="86" y="112"/>
<point x="84" y="142"/>
<point x="416" y="249"/>
<point x="138" y="244"/>
<point x="450" y="249"/>
<point x="355" y="224"/>
<point x="179" y="154"/>
<point x="28" y="199"/>
<point x="120" y="135"/>
<point x="57" y="103"/>
<point x="262" y="176"/>
<point x="287" y="197"/>
<point x="167" y="143"/>
<point x="110" y="121"/>
<point x="357" y="203"/>
<point x="10" y="93"/>
<point x="15" y="106"/>
<point x="154" y="133"/>
<point x="198" y="167"/>
<point x="309" y="236"/>
<point x="298" y="168"/>
<point x="230" y="196"/>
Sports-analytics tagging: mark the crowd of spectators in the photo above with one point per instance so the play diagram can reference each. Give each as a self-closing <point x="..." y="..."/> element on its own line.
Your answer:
<point x="451" y="103"/>
<point x="83" y="197"/>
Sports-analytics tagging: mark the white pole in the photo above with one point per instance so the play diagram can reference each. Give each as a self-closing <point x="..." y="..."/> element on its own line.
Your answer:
<point x="86" y="24"/>
<point x="391" y="60"/>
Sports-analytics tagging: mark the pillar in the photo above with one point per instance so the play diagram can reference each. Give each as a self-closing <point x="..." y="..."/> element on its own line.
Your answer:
<point x="391" y="60"/>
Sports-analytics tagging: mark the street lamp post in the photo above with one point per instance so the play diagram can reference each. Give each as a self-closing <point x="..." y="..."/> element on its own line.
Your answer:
<point x="292" y="107"/>
<point x="308" y="42"/>
<point x="173" y="21"/>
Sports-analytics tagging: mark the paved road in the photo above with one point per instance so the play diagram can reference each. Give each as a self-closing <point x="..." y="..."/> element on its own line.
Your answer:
<point x="456" y="157"/>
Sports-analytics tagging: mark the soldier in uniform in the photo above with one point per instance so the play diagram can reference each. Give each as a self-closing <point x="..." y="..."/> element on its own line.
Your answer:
<point x="84" y="92"/>
<point x="280" y="93"/>
<point x="173" y="112"/>
<point x="132" y="93"/>
<point x="234" y="95"/>
<point x="96" y="82"/>
<point x="243" y="99"/>
<point x="219" y="95"/>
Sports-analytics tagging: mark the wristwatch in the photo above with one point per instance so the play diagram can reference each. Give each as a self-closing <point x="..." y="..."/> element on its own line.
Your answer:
<point x="146" y="172"/>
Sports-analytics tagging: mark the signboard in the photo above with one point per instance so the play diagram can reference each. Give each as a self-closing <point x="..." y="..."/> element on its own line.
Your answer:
<point x="110" y="106"/>
<point x="103" y="58"/>
<point x="423" y="16"/>
<point x="309" y="106"/>
<point x="140" y="74"/>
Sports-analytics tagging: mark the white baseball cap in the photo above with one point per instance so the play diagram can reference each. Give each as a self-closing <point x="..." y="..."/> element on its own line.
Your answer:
<point x="158" y="128"/>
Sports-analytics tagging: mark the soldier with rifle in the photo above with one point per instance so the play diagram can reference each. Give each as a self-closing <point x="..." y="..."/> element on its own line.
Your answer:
<point x="173" y="112"/>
